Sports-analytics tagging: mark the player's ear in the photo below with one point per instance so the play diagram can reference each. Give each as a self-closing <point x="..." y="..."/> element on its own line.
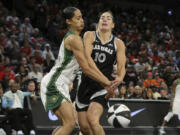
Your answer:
<point x="68" y="21"/>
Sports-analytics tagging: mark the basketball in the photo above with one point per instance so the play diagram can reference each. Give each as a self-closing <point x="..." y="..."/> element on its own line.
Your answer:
<point x="119" y="116"/>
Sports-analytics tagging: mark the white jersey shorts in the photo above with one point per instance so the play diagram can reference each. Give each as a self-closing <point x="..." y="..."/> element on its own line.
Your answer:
<point x="54" y="90"/>
<point x="176" y="107"/>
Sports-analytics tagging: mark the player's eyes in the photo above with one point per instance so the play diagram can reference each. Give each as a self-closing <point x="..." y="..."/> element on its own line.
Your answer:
<point x="102" y="17"/>
<point x="78" y="18"/>
<point x="109" y="18"/>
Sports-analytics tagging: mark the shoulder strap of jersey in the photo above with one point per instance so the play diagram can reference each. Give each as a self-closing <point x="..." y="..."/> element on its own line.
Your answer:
<point x="69" y="33"/>
<point x="96" y="36"/>
<point x="178" y="81"/>
<point x="114" y="42"/>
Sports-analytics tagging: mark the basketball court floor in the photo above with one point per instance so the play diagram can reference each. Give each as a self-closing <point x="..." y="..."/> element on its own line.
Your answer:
<point x="119" y="131"/>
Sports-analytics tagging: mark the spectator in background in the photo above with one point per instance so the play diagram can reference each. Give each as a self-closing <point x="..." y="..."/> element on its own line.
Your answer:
<point x="13" y="17"/>
<point x="164" y="94"/>
<point x="35" y="74"/>
<point x="7" y="61"/>
<point x="3" y="39"/>
<point x="24" y="62"/>
<point x="122" y="92"/>
<point x="130" y="92"/>
<point x="161" y="51"/>
<point x="177" y="58"/>
<point x="12" y="50"/>
<point x="138" y="92"/>
<point x="131" y="75"/>
<point x="149" y="94"/>
<point x="139" y="66"/>
<point x="27" y="25"/>
<point x="48" y="63"/>
<point x="144" y="94"/>
<point x="47" y="50"/>
<point x="13" y="100"/>
<point x="18" y="79"/>
<point x="36" y="34"/>
<point x="12" y="42"/>
<point x="156" y="58"/>
<point x="23" y="72"/>
<point x="157" y="80"/>
<point x="155" y="91"/>
<point x="168" y="75"/>
<point x="26" y="48"/>
<point x="31" y="86"/>
<point x="37" y="53"/>
<point x="4" y="122"/>
<point x="149" y="81"/>
<point x="14" y="31"/>
<point x="7" y="83"/>
<point x="22" y="35"/>
<point x="7" y="71"/>
<point x="32" y="61"/>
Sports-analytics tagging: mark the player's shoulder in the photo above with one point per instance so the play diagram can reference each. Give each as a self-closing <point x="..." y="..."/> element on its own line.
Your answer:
<point x="89" y="34"/>
<point x="119" y="42"/>
<point x="72" y="38"/>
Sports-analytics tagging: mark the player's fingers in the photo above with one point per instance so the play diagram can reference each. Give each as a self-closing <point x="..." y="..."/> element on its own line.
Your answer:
<point x="114" y="85"/>
<point x="113" y="75"/>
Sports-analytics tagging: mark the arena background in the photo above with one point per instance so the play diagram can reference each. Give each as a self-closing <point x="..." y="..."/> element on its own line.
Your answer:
<point x="162" y="12"/>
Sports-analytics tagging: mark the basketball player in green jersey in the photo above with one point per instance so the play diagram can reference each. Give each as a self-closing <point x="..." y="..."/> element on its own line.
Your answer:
<point x="55" y="85"/>
<point x="174" y="104"/>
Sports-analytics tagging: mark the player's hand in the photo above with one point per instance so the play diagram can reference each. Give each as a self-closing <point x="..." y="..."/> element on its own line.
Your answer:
<point x="110" y="95"/>
<point x="116" y="82"/>
<point x="109" y="89"/>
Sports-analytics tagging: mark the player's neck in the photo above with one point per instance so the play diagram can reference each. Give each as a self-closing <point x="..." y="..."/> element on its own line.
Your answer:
<point x="75" y="31"/>
<point x="104" y="36"/>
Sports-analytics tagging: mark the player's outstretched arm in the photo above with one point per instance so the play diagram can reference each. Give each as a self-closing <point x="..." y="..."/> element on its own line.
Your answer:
<point x="121" y="63"/>
<point x="76" y="45"/>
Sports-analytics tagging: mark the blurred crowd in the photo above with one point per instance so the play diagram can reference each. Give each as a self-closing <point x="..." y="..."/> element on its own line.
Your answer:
<point x="30" y="39"/>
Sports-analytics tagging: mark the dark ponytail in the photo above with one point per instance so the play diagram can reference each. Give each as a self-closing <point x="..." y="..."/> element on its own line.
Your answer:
<point x="68" y="12"/>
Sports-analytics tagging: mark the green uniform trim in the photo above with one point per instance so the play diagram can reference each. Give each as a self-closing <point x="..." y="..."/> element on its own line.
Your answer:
<point x="178" y="81"/>
<point x="53" y="96"/>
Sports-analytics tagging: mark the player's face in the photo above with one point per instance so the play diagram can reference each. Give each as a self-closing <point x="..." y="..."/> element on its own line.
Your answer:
<point x="106" y="22"/>
<point x="77" y="21"/>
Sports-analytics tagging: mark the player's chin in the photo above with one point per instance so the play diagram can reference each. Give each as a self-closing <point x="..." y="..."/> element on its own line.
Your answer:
<point x="105" y="29"/>
<point x="81" y="27"/>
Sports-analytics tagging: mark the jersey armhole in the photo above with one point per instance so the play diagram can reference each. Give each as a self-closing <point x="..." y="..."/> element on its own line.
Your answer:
<point x="115" y="45"/>
<point x="95" y="35"/>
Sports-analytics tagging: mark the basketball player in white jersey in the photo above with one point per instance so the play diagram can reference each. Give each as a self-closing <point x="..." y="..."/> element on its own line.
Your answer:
<point x="174" y="104"/>
<point x="55" y="85"/>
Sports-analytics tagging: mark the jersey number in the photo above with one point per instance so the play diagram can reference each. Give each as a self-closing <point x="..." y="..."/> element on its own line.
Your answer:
<point x="99" y="57"/>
